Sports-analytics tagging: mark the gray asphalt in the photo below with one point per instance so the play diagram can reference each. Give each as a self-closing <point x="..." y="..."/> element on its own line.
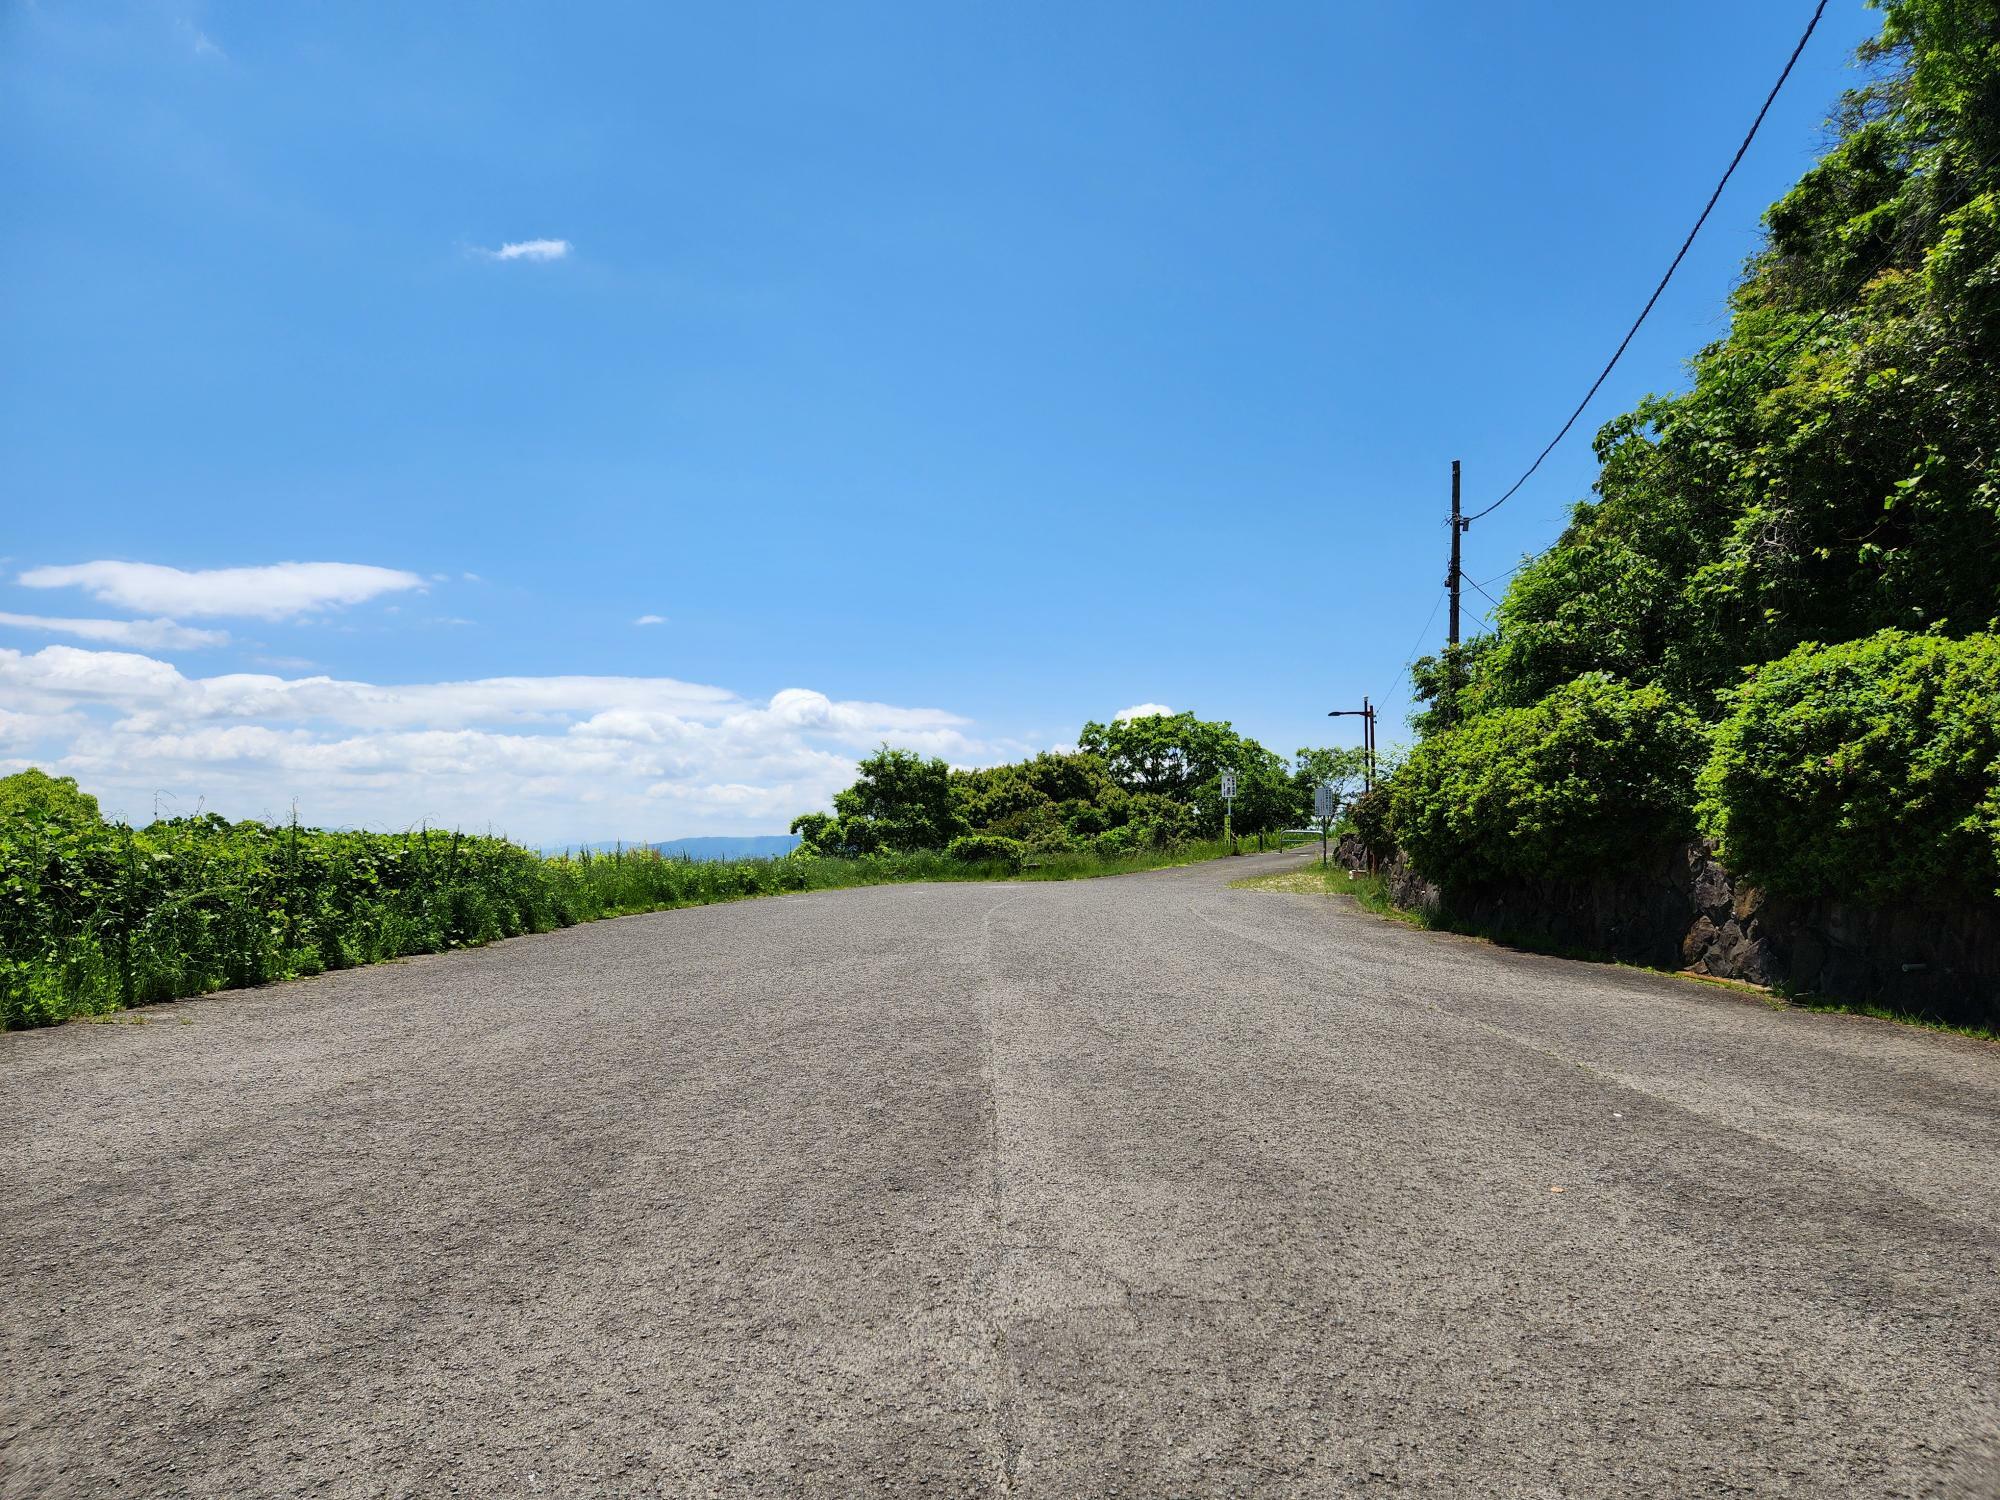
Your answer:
<point x="1145" y="1186"/>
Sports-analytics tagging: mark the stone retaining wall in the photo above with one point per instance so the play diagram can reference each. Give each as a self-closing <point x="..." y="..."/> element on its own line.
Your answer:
<point x="1685" y="910"/>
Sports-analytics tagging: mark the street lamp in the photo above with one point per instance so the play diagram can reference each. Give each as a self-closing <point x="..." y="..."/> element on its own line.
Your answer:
<point x="1366" y="714"/>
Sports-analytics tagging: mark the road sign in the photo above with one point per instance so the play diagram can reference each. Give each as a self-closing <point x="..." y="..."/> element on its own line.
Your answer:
<point x="1323" y="801"/>
<point x="1228" y="785"/>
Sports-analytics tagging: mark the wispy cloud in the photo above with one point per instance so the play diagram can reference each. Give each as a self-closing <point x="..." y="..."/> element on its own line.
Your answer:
<point x="203" y="44"/>
<point x="151" y="635"/>
<point x="650" y="620"/>
<point x="1144" y="711"/>
<point x="278" y="591"/>
<point x="530" y="250"/>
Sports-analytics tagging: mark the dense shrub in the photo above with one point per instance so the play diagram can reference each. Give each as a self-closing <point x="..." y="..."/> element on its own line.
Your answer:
<point x="96" y="915"/>
<point x="985" y="848"/>
<point x="1584" y="778"/>
<point x="1372" y="815"/>
<point x="1865" y="769"/>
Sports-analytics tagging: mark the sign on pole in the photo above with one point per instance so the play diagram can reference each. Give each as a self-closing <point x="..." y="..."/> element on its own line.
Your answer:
<point x="1228" y="785"/>
<point x="1323" y="802"/>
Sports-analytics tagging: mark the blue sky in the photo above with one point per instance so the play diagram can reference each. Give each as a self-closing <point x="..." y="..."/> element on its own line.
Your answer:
<point x="937" y="374"/>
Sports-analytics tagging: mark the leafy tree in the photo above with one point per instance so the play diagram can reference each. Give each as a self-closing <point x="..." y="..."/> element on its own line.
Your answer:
<point x="1167" y="755"/>
<point x="1834" y="467"/>
<point x="1180" y="758"/>
<point x="35" y="796"/>
<point x="1343" y="767"/>
<point x="1266" y="795"/>
<point x="1050" y="801"/>
<point x="904" y="799"/>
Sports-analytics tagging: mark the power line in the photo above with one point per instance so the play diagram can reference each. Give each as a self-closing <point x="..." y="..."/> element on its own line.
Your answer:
<point x="1686" y="245"/>
<point x="1418" y="644"/>
<point x="1524" y="562"/>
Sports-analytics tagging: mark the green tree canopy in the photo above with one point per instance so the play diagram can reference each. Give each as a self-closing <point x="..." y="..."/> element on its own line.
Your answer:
<point x="1134" y="783"/>
<point x="1344" y="768"/>
<point x="35" y="796"/>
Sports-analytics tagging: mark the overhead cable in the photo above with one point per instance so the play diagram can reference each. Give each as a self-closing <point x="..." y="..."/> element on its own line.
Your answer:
<point x="1679" y="256"/>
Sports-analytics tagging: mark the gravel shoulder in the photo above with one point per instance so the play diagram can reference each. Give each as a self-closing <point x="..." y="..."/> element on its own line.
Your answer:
<point x="1143" y="1185"/>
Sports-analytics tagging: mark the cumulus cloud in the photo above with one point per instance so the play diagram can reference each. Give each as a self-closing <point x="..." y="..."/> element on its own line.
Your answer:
<point x="277" y="591"/>
<point x="1144" y="711"/>
<point x="650" y="620"/>
<point x="152" y="635"/>
<point x="530" y="250"/>
<point x="546" y="759"/>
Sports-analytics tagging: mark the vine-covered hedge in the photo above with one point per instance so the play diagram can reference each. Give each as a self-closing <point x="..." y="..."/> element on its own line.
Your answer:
<point x="95" y="915"/>
<point x="1580" y="780"/>
<point x="1869" y="769"/>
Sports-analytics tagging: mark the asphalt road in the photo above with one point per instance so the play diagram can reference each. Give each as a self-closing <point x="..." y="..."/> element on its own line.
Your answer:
<point x="1142" y="1187"/>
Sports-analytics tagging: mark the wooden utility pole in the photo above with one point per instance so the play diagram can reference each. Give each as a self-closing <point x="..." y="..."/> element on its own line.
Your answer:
<point x="1449" y="701"/>
<point x="1451" y="581"/>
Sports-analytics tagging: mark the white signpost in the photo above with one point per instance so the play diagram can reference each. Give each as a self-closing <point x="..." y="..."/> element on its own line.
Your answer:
<point x="1228" y="796"/>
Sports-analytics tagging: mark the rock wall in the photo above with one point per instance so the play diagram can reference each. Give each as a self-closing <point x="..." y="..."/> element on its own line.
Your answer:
<point x="1684" y="910"/>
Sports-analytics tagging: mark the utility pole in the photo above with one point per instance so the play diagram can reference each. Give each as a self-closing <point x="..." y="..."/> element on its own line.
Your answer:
<point x="1458" y="525"/>
<point x="1452" y="579"/>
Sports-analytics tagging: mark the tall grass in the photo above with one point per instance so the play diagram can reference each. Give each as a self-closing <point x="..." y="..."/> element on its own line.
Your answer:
<point x="97" y="918"/>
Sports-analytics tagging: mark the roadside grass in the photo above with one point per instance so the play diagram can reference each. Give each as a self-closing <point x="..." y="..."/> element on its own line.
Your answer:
<point x="1371" y="893"/>
<point x="1082" y="866"/>
<point x="105" y="921"/>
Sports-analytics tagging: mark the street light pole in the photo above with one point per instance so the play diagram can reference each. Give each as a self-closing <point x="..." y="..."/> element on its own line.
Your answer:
<point x="1366" y="714"/>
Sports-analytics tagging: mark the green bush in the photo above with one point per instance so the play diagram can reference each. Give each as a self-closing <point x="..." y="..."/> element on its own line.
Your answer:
<point x="1587" y="777"/>
<point x="1372" y="817"/>
<point x="985" y="848"/>
<point x="1869" y="769"/>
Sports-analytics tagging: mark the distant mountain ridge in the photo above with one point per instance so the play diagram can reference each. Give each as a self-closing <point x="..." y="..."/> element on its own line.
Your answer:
<point x="708" y="846"/>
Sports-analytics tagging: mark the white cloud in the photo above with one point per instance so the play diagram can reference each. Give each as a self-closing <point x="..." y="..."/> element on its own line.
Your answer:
<point x="545" y="759"/>
<point x="274" y="592"/>
<point x="1144" y="711"/>
<point x="153" y="635"/>
<point x="530" y="250"/>
<point x="650" y="620"/>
